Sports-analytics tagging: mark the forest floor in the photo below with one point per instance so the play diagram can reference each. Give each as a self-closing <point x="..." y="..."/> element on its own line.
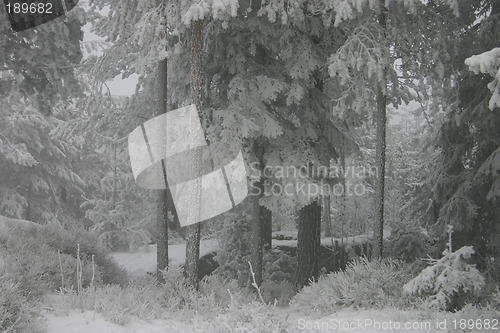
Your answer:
<point x="291" y="320"/>
<point x="348" y="321"/>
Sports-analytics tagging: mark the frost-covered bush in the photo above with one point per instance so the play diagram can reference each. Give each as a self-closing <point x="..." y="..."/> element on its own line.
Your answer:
<point x="363" y="284"/>
<point x="279" y="293"/>
<point x="140" y="299"/>
<point x="43" y="259"/>
<point x="449" y="282"/>
<point x="278" y="277"/>
<point x="39" y="269"/>
<point x="407" y="243"/>
<point x="66" y="242"/>
<point x="234" y="253"/>
<point x="17" y="314"/>
<point x="143" y="298"/>
<point x="252" y="317"/>
<point x="224" y="291"/>
<point x="279" y="266"/>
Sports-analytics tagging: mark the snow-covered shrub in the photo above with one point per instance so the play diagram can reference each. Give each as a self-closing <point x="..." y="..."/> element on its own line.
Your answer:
<point x="277" y="292"/>
<point x="407" y="243"/>
<point x="224" y="291"/>
<point x="43" y="259"/>
<point x="234" y="253"/>
<point x="17" y="314"/>
<point x="39" y="269"/>
<point x="66" y="242"/>
<point x="364" y="283"/>
<point x="252" y="317"/>
<point x="142" y="298"/>
<point x="279" y="266"/>
<point x="214" y="293"/>
<point x="449" y="281"/>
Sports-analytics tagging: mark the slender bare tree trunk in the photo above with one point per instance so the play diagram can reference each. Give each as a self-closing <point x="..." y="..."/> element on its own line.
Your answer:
<point x="256" y="236"/>
<point x="327" y="220"/>
<point x="267" y="227"/>
<point x="343" y="196"/>
<point x="193" y="231"/>
<point x="161" y="203"/>
<point x="378" y="232"/>
<point x="256" y="230"/>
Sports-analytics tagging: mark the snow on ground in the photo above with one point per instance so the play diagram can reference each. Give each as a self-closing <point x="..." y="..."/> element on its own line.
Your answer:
<point x="91" y="322"/>
<point x="344" y="321"/>
<point x="347" y="320"/>
<point x="326" y="241"/>
<point x="145" y="261"/>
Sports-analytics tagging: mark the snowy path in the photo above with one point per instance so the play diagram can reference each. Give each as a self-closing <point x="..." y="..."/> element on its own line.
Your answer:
<point x="142" y="262"/>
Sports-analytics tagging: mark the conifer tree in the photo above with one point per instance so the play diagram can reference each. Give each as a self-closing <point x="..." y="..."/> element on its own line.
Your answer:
<point x="38" y="94"/>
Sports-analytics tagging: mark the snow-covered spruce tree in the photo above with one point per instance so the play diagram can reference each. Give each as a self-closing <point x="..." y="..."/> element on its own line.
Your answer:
<point x="38" y="182"/>
<point x="118" y="210"/>
<point x="465" y="182"/>
<point x="448" y="282"/>
<point x="40" y="63"/>
<point x="376" y="64"/>
<point x="38" y="93"/>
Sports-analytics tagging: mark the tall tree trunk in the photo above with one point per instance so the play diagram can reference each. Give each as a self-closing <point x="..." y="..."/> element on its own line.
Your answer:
<point x="378" y="232"/>
<point x="162" y="235"/>
<point x="267" y="227"/>
<point x="162" y="195"/>
<point x="343" y="195"/>
<point x="308" y="244"/>
<point x="327" y="220"/>
<point x="256" y="240"/>
<point x="258" y="228"/>
<point x="113" y="197"/>
<point x="309" y="233"/>
<point x="193" y="231"/>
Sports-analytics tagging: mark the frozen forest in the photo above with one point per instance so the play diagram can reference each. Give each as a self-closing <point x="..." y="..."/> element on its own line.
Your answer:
<point x="249" y="166"/>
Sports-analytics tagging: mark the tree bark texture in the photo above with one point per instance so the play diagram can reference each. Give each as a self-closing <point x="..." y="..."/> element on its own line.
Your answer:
<point x="378" y="232"/>
<point x="191" y="265"/>
<point x="308" y="244"/>
<point x="162" y="195"/>
<point x="267" y="227"/>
